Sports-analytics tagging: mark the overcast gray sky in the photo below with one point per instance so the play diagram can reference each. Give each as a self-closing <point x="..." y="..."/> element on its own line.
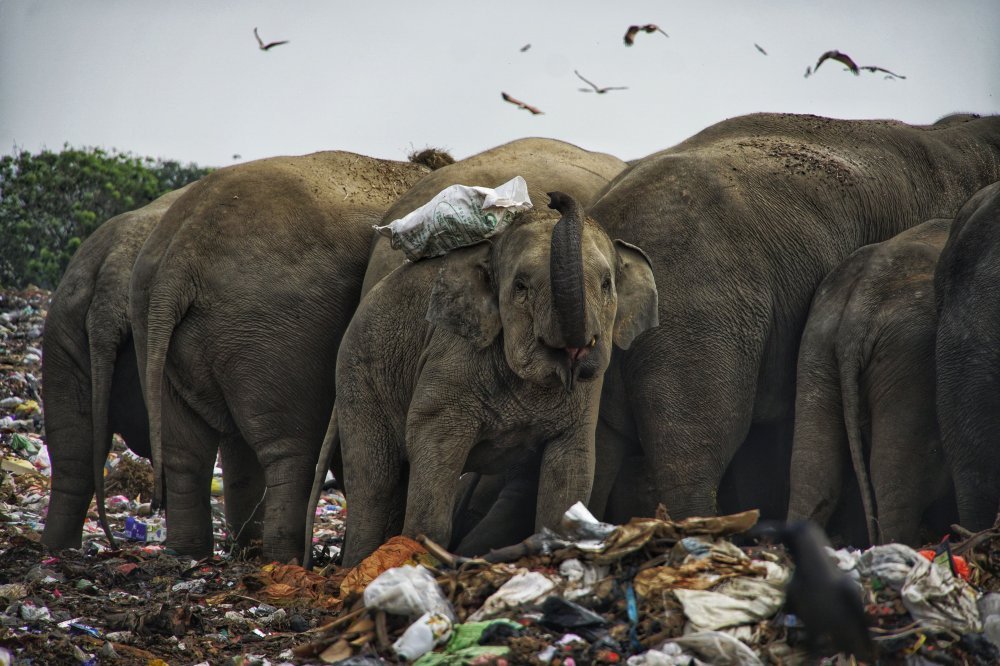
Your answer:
<point x="185" y="80"/>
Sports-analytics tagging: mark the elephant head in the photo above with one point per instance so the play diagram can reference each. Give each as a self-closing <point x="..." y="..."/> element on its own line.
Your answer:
<point x="558" y="289"/>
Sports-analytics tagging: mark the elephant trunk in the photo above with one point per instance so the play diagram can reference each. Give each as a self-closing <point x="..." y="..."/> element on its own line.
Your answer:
<point x="566" y="274"/>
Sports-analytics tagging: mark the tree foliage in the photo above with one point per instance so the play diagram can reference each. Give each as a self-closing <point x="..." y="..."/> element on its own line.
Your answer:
<point x="51" y="201"/>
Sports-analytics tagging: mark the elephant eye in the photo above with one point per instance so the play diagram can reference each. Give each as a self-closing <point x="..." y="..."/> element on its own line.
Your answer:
<point x="606" y="285"/>
<point x="520" y="288"/>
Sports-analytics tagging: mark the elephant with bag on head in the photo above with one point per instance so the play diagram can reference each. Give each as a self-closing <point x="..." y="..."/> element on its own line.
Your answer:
<point x="742" y="222"/>
<point x="545" y="164"/>
<point x="967" y="289"/>
<point x="239" y="299"/>
<point x="91" y="388"/>
<point x="865" y="389"/>
<point x="479" y="359"/>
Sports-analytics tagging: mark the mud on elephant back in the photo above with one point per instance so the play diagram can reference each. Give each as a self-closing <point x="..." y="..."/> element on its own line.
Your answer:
<point x="742" y="222"/>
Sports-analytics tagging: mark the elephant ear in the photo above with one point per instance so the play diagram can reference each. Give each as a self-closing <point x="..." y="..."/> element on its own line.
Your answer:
<point x="462" y="299"/>
<point x="637" y="298"/>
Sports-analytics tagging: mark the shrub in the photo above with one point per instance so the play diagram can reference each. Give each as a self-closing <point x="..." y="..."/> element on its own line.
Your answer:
<point x="51" y="201"/>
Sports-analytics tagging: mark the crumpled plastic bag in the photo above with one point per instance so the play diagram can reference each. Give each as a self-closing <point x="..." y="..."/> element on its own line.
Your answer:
<point x="718" y="649"/>
<point x="671" y="654"/>
<point x="523" y="588"/>
<point x="457" y="216"/>
<point x="407" y="590"/>
<point x="936" y="597"/>
<point x="734" y="602"/>
<point x="630" y="537"/>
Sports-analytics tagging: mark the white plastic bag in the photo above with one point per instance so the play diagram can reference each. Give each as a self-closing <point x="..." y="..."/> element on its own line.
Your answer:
<point x="429" y="631"/>
<point x="457" y="216"/>
<point x="521" y="589"/>
<point x="407" y="590"/>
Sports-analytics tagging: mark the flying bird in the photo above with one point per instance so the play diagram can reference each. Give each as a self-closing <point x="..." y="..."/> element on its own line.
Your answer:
<point x="889" y="75"/>
<point x="633" y="29"/>
<point x="760" y="48"/>
<point x="851" y="65"/>
<point x="262" y="46"/>
<point x="521" y="105"/>
<point x="599" y="91"/>
<point x="839" y="57"/>
<point x="525" y="48"/>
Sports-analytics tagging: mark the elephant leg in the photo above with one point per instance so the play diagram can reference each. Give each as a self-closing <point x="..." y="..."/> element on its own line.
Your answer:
<point x="189" y="448"/>
<point x="615" y="438"/>
<point x="905" y="458"/>
<point x="820" y="453"/>
<point x="634" y="495"/>
<point x="693" y="401"/>
<point x="968" y="369"/>
<point x="755" y="477"/>
<point x="70" y="451"/>
<point x="374" y="483"/>
<point x="243" y="489"/>
<point x="510" y="517"/>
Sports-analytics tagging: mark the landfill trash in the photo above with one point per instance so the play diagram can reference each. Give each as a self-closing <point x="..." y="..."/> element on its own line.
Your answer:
<point x="429" y="630"/>
<point x="407" y="590"/>
<point x="147" y="531"/>
<point x="457" y="216"/>
<point x="521" y="589"/>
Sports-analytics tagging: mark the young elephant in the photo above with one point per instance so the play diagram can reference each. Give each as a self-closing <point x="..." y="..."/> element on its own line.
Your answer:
<point x="91" y="388"/>
<point x="967" y="288"/>
<point x="865" y="388"/>
<point x="510" y="359"/>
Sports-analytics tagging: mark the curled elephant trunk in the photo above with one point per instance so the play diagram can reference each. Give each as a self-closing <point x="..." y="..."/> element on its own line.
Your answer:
<point x="566" y="274"/>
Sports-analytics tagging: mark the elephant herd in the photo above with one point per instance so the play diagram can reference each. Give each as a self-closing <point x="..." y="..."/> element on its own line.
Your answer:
<point x="760" y="316"/>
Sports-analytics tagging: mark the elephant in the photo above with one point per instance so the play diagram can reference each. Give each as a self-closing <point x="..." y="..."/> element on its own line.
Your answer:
<point x="966" y="286"/>
<point x="865" y="389"/>
<point x="545" y="164"/>
<point x="91" y="388"/>
<point x="477" y="360"/>
<point x="239" y="299"/>
<point x="742" y="222"/>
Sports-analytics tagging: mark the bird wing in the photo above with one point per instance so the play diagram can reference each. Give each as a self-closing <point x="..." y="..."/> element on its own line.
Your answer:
<point x="630" y="35"/>
<point x="839" y="57"/>
<point x="873" y="68"/>
<point x="759" y="48"/>
<point x="525" y="48"/>
<point x="808" y="71"/>
<point x="519" y="103"/>
<point x="653" y="27"/>
<point x="275" y="44"/>
<point x="585" y="80"/>
<point x="260" y="42"/>
<point x="613" y="88"/>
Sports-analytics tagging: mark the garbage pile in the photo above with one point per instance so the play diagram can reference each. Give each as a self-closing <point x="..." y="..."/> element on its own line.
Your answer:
<point x="651" y="592"/>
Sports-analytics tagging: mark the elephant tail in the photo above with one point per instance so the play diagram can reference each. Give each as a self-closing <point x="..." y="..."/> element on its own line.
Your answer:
<point x="167" y="306"/>
<point x="849" y="381"/>
<point x="102" y="362"/>
<point x="331" y="442"/>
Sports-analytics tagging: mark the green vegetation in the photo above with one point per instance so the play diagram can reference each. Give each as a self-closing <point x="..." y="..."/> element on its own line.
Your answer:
<point x="51" y="201"/>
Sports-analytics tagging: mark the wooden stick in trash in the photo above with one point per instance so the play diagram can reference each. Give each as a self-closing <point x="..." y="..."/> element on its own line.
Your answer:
<point x="437" y="550"/>
<point x="533" y="545"/>
<point x="339" y="621"/>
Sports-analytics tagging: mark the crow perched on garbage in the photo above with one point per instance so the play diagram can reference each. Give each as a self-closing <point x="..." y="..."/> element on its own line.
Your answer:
<point x="633" y="29"/>
<point x="826" y="600"/>
<point x="599" y="91"/>
<point x="262" y="46"/>
<point x="520" y="104"/>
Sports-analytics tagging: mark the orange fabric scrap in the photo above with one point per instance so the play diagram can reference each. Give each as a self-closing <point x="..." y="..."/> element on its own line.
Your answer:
<point x="395" y="552"/>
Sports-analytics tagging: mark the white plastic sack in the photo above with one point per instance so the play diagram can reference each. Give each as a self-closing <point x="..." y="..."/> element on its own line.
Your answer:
<point x="670" y="654"/>
<point x="735" y="602"/>
<point x="407" y="590"/>
<point x="718" y="649"/>
<point x="457" y="216"/>
<point x="429" y="631"/>
<point x="521" y="589"/>
<point x="936" y="597"/>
